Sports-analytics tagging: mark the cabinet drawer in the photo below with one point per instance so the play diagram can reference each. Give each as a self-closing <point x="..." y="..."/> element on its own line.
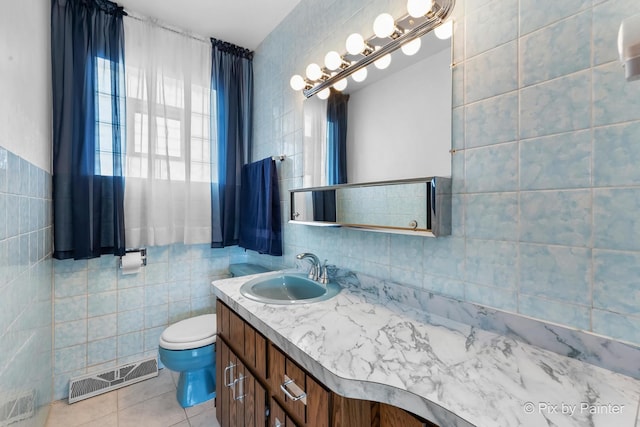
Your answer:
<point x="302" y="396"/>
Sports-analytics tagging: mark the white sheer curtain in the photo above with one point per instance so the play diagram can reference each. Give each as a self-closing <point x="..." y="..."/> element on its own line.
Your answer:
<point x="168" y="165"/>
<point x="314" y="113"/>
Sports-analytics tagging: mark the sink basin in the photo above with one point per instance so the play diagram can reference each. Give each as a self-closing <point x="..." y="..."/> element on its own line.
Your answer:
<point x="288" y="288"/>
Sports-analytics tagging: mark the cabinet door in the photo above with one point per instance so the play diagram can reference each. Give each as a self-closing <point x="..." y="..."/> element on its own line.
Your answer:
<point x="236" y="333"/>
<point x="277" y="416"/>
<point x="226" y="368"/>
<point x="222" y="319"/>
<point x="348" y="412"/>
<point x="241" y="398"/>
<point x="303" y="398"/>
<point x="255" y="351"/>
<point x="250" y="400"/>
<point x="390" y="416"/>
<point x="243" y="339"/>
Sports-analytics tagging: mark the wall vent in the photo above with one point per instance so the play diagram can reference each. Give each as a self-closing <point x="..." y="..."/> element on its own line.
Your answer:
<point x="17" y="407"/>
<point x="90" y="385"/>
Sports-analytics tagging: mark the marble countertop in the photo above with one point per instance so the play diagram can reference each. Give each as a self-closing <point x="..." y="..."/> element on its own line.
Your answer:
<point x="448" y="372"/>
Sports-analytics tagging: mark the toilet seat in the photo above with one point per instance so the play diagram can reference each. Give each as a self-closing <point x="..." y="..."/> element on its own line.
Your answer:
<point x="190" y="333"/>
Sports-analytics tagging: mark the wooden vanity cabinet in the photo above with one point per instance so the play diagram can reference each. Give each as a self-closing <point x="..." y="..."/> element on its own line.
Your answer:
<point x="259" y="385"/>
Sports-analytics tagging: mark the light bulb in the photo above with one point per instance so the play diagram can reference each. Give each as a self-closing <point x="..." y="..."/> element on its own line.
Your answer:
<point x="419" y="8"/>
<point x="444" y="31"/>
<point x="297" y="82"/>
<point x="313" y="71"/>
<point x="360" y="75"/>
<point x="384" y="25"/>
<point x="340" y="85"/>
<point x="412" y="47"/>
<point x="333" y="60"/>
<point x="324" y="93"/>
<point x="355" y="44"/>
<point x="383" y="62"/>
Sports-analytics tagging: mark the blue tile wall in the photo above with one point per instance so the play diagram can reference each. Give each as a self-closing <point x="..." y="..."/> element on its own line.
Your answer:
<point x="560" y="273"/>
<point x="557" y="50"/>
<point x="26" y="282"/>
<point x="535" y="14"/>
<point x="492" y="73"/>
<point x="616" y="155"/>
<point x="492" y="121"/>
<point x="558" y="161"/>
<point x="545" y="178"/>
<point x="556" y="217"/>
<point x="503" y="159"/>
<point x="104" y="318"/>
<point x="556" y="106"/>
<point x="494" y="21"/>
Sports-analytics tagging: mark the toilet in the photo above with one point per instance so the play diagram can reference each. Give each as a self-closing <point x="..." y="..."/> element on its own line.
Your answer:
<point x="189" y="347"/>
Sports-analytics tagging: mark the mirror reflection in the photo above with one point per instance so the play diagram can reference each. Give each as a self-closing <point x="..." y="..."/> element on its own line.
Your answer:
<point x="394" y="125"/>
<point x="418" y="207"/>
<point x="398" y="205"/>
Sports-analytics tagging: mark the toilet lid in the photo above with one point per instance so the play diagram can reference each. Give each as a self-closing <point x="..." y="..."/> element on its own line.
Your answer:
<point x="190" y="333"/>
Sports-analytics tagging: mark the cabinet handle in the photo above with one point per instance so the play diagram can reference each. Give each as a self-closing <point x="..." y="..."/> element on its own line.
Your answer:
<point x="283" y="387"/>
<point x="231" y="381"/>
<point x="241" y="394"/>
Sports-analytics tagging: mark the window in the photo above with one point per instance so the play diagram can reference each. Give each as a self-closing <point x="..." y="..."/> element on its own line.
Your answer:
<point x="105" y="125"/>
<point x="177" y="154"/>
<point x="175" y="145"/>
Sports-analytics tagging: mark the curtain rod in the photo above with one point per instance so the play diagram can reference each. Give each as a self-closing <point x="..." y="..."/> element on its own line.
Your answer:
<point x="156" y="22"/>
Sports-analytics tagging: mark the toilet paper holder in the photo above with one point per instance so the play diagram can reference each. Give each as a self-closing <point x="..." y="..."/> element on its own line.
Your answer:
<point x="143" y="256"/>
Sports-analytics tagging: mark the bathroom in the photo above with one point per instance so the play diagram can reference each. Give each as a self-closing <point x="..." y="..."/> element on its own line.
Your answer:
<point x="544" y="181"/>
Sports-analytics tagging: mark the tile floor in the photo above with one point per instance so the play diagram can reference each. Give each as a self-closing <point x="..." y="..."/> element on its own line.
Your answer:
<point x="150" y="403"/>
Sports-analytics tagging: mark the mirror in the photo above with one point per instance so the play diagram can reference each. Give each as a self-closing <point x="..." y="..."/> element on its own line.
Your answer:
<point x="399" y="121"/>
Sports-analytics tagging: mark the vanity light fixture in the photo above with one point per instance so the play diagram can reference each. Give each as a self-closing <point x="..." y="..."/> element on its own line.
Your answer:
<point x="389" y="35"/>
<point x="444" y="31"/>
<point x="356" y="45"/>
<point x="333" y="61"/>
<point x="418" y="8"/>
<point x="383" y="62"/>
<point x="360" y="75"/>
<point x="324" y="93"/>
<point x="384" y="26"/>
<point x="313" y="71"/>
<point x="412" y="47"/>
<point x="297" y="82"/>
<point x="340" y="85"/>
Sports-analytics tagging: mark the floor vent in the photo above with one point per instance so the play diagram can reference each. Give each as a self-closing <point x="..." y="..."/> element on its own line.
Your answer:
<point x="17" y="407"/>
<point x="86" y="386"/>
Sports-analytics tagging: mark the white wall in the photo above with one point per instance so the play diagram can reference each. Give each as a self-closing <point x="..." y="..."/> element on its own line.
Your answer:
<point x="25" y="83"/>
<point x="400" y="127"/>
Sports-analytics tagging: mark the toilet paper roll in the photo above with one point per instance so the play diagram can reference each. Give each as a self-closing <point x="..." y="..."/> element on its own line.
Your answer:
<point x="131" y="263"/>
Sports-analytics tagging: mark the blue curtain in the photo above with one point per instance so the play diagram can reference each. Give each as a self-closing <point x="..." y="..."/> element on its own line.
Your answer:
<point x="260" y="218"/>
<point x="88" y="186"/>
<point x="324" y="205"/>
<point x="337" y="138"/>
<point x="232" y="83"/>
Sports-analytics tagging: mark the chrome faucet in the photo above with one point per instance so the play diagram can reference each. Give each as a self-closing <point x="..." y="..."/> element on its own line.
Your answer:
<point x="314" y="273"/>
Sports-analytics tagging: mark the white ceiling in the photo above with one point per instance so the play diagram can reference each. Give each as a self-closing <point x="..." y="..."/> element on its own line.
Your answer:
<point x="245" y="23"/>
